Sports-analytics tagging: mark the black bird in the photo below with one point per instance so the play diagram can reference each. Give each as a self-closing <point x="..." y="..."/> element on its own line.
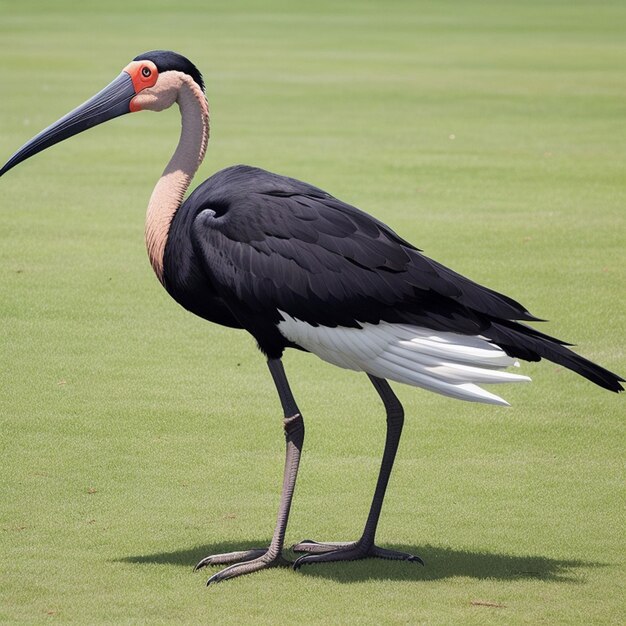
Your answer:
<point x="298" y="268"/>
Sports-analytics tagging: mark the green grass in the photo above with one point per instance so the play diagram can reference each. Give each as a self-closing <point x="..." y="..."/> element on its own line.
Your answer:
<point x="136" y="439"/>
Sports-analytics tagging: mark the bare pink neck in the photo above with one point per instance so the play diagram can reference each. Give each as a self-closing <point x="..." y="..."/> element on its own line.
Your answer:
<point x="169" y="191"/>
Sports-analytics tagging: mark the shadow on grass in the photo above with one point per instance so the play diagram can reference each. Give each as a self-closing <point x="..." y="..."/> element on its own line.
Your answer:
<point x="440" y="562"/>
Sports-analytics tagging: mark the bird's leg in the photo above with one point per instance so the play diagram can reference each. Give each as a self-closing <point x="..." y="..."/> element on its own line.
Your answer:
<point x="252" y="560"/>
<point x="365" y="547"/>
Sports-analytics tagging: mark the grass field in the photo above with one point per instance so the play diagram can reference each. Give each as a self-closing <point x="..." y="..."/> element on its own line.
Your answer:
<point x="135" y="439"/>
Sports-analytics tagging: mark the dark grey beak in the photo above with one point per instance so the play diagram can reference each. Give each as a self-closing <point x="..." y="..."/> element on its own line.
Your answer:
<point x="112" y="101"/>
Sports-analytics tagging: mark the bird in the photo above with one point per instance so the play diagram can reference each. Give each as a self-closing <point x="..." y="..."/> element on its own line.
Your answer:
<point x="298" y="268"/>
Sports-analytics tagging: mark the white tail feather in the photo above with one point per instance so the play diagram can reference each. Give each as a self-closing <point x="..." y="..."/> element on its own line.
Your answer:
<point x="443" y="362"/>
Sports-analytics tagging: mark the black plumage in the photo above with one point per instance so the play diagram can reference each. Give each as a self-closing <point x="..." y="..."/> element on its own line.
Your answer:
<point x="256" y="243"/>
<point x="167" y="61"/>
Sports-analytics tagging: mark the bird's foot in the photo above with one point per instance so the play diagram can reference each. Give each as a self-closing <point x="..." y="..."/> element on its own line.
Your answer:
<point x="337" y="551"/>
<point x="243" y="562"/>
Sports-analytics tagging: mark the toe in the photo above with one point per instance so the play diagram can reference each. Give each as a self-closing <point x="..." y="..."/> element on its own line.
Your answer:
<point x="230" y="557"/>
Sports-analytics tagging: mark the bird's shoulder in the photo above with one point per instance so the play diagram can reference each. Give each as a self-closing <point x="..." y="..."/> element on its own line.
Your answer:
<point x="228" y="188"/>
<point x="279" y="215"/>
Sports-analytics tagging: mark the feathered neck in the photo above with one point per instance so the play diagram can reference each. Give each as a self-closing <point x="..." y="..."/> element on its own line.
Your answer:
<point x="170" y="190"/>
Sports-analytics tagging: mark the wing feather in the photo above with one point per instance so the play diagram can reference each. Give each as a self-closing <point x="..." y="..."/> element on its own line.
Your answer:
<point x="328" y="263"/>
<point x="276" y="249"/>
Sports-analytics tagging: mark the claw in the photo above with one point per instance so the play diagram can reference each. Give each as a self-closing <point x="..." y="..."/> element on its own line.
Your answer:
<point x="303" y="560"/>
<point x="230" y="557"/>
<point x="413" y="558"/>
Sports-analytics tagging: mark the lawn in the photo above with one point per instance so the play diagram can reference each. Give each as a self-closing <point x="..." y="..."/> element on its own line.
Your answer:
<point x="135" y="439"/>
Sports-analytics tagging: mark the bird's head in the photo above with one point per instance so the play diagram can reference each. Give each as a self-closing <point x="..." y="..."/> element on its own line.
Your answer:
<point x="149" y="82"/>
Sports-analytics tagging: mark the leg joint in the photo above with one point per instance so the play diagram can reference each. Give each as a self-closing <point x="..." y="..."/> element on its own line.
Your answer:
<point x="395" y="412"/>
<point x="294" y="427"/>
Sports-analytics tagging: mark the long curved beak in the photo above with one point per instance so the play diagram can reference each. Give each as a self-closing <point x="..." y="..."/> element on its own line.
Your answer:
<point x="112" y="101"/>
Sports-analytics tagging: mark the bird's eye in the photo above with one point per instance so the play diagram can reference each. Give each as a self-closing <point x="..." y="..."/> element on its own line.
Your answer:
<point x="145" y="72"/>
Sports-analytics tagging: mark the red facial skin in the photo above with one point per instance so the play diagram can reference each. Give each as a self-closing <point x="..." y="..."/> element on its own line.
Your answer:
<point x="144" y="74"/>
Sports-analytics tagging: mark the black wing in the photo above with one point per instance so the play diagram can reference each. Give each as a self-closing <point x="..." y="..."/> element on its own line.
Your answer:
<point x="272" y="243"/>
